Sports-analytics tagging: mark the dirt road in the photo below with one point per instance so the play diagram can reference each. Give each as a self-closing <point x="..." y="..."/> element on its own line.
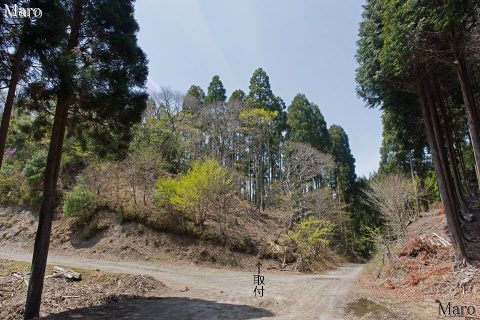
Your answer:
<point x="216" y="293"/>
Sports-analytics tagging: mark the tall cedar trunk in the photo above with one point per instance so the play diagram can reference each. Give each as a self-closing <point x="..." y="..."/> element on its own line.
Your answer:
<point x="472" y="112"/>
<point x="436" y="151"/>
<point x="449" y="173"/>
<point x="451" y="154"/>
<point x="463" y="169"/>
<point x="260" y="177"/>
<point x="249" y="182"/>
<point x="271" y="169"/>
<point x="42" y="239"/>
<point x="414" y="184"/>
<point x="252" y="183"/>
<point x="12" y="88"/>
<point x="432" y="94"/>
<point x="440" y="144"/>
<point x="272" y="159"/>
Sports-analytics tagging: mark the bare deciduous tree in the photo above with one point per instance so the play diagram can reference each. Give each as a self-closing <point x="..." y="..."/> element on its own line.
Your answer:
<point x="302" y="164"/>
<point x="393" y="196"/>
<point x="169" y="102"/>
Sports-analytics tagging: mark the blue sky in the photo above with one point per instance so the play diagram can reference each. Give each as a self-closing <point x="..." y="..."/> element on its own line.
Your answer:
<point x="305" y="46"/>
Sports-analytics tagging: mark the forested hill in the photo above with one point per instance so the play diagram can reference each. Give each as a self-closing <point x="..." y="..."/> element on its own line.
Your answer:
<point x="195" y="159"/>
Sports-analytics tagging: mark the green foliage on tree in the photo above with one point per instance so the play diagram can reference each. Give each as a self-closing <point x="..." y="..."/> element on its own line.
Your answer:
<point x="344" y="176"/>
<point x="237" y="95"/>
<point x="33" y="172"/>
<point x="403" y="137"/>
<point x="155" y="134"/>
<point x="11" y="185"/>
<point x="260" y="93"/>
<point x="311" y="233"/>
<point x="363" y="219"/>
<point x="311" y="238"/>
<point x="196" y="92"/>
<point x="216" y="92"/>
<point x="198" y="193"/>
<point x="257" y="120"/>
<point x="23" y="42"/>
<point x="194" y="99"/>
<point x="79" y="203"/>
<point x="306" y="124"/>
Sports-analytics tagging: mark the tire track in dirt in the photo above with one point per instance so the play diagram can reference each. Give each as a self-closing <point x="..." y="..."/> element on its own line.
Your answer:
<point x="216" y="293"/>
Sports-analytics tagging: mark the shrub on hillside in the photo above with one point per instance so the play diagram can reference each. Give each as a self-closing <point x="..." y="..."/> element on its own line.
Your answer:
<point x="33" y="172"/>
<point x="79" y="203"/>
<point x="11" y="183"/>
<point x="203" y="192"/>
<point x="431" y="187"/>
<point x="310" y="238"/>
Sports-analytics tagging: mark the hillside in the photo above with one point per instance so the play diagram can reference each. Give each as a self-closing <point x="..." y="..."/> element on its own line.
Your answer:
<point x="418" y="273"/>
<point x="107" y="236"/>
<point x="252" y="238"/>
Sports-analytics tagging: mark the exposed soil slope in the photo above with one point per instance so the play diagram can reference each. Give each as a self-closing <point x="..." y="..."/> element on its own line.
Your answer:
<point x="419" y="273"/>
<point x="107" y="236"/>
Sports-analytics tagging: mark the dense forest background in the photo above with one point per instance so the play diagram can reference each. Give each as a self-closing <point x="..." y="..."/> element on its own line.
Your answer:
<point x="195" y="157"/>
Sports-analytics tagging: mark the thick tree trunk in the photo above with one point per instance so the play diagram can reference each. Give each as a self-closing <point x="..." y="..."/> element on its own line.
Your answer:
<point x="472" y="112"/>
<point x="463" y="169"/>
<point x="432" y="94"/>
<point x="414" y="183"/>
<point x="42" y="238"/>
<point x="438" y="159"/>
<point x="453" y="159"/>
<point x="440" y="146"/>
<point x="250" y="181"/>
<point x="12" y="88"/>
<point x="457" y="141"/>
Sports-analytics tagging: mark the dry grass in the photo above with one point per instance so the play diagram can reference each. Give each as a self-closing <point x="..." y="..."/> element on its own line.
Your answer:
<point x="421" y="271"/>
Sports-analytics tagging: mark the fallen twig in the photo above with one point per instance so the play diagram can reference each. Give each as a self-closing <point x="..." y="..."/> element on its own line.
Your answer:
<point x="68" y="274"/>
<point x="21" y="277"/>
<point x="442" y="240"/>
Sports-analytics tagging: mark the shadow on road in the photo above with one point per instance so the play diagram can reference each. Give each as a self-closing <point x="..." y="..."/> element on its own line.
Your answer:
<point x="128" y="307"/>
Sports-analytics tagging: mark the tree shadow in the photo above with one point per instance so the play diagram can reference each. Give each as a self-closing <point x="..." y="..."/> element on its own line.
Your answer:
<point x="145" y="308"/>
<point x="80" y="242"/>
